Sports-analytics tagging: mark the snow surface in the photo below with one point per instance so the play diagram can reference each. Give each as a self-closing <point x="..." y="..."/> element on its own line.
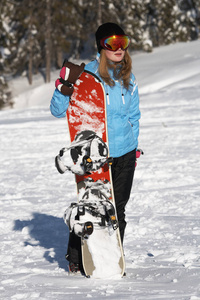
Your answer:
<point x="162" y="242"/>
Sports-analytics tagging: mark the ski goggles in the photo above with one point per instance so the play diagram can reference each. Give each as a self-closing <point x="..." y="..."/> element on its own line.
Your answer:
<point x="114" y="42"/>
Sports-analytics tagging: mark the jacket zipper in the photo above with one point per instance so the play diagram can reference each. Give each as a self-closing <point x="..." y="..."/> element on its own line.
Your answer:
<point x="123" y="100"/>
<point x="108" y="99"/>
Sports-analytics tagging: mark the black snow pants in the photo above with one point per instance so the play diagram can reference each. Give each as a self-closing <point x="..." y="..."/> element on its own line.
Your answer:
<point x="123" y="168"/>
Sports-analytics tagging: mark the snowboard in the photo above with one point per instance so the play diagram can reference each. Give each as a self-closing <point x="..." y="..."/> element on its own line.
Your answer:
<point x="102" y="252"/>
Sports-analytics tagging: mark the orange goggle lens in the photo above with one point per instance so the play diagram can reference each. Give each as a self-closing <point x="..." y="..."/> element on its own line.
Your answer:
<point x="115" y="42"/>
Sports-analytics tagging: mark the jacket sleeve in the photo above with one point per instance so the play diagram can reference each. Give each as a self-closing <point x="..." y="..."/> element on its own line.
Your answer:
<point x="135" y="111"/>
<point x="59" y="104"/>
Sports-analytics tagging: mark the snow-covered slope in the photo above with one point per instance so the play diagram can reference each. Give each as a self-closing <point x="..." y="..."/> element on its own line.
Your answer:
<point x="162" y="242"/>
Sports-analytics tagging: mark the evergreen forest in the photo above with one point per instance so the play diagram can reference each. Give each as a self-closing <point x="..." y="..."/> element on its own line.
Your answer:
<point x="36" y="35"/>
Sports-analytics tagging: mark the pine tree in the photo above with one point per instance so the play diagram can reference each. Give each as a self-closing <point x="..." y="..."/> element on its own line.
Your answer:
<point x="24" y="45"/>
<point x="135" y="23"/>
<point x="189" y="20"/>
<point x="86" y="25"/>
<point x="62" y="22"/>
<point x="166" y="21"/>
<point x="5" y="93"/>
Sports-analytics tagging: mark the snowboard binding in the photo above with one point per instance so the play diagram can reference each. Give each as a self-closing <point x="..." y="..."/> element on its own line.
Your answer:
<point x="100" y="207"/>
<point x="94" y="207"/>
<point x="83" y="229"/>
<point x="87" y="153"/>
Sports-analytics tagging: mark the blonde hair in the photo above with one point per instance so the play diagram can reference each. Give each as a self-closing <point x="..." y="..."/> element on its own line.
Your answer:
<point x="121" y="70"/>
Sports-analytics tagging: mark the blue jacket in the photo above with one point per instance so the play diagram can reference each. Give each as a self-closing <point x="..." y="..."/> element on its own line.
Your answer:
<point x="123" y="113"/>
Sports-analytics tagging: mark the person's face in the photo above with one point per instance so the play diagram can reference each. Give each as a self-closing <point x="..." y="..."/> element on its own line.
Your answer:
<point x="115" y="56"/>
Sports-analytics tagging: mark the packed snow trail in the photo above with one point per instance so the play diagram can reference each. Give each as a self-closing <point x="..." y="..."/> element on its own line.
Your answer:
<point x="162" y="241"/>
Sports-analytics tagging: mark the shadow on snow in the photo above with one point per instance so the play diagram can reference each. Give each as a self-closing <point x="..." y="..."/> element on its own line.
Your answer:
<point x="51" y="233"/>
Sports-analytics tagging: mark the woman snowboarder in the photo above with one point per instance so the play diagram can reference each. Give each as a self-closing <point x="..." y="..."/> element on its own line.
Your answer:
<point x="113" y="66"/>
